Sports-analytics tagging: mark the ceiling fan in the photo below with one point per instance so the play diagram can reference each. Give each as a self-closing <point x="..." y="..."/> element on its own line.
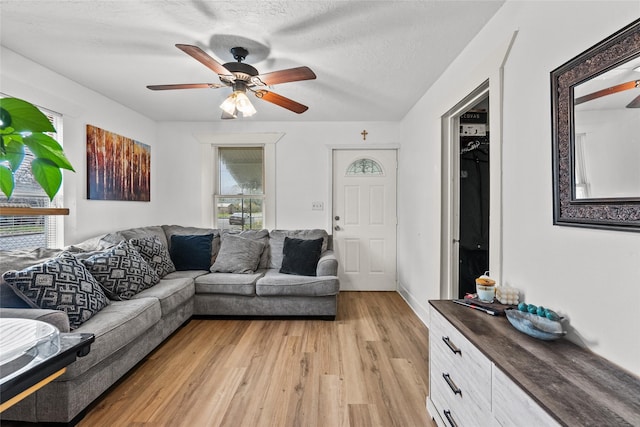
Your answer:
<point x="242" y="77"/>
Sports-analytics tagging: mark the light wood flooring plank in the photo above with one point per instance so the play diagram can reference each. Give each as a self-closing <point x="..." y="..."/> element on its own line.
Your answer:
<point x="369" y="368"/>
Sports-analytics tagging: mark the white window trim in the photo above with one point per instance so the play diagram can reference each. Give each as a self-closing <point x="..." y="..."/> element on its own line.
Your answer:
<point x="55" y="234"/>
<point x="209" y="175"/>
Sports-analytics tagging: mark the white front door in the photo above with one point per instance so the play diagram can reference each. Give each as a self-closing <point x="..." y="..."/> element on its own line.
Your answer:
<point x="364" y="218"/>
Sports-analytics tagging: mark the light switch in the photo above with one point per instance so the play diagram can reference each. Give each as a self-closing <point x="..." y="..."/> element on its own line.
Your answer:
<point x="317" y="206"/>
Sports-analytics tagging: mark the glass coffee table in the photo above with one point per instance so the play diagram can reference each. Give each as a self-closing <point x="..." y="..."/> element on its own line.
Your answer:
<point x="32" y="354"/>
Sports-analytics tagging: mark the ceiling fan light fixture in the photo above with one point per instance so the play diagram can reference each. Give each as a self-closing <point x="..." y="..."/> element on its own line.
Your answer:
<point x="229" y="104"/>
<point x="238" y="101"/>
<point x="244" y="105"/>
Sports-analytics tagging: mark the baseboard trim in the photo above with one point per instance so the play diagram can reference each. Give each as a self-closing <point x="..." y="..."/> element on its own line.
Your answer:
<point x="421" y="311"/>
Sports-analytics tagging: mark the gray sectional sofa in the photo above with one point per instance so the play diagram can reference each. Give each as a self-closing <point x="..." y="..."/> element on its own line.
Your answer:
<point x="128" y="328"/>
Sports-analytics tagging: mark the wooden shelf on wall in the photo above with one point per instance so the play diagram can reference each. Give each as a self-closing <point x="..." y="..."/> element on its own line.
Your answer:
<point x="15" y="211"/>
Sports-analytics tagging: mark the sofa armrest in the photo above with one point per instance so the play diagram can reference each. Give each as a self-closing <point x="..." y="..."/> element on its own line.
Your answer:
<point x="328" y="264"/>
<point x="57" y="318"/>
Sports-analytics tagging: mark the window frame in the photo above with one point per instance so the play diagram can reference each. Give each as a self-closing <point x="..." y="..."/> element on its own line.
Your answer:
<point x="53" y="224"/>
<point x="268" y="183"/>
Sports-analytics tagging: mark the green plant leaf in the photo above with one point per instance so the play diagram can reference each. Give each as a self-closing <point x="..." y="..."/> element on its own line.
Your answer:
<point x="24" y="116"/>
<point x="12" y="137"/>
<point x="6" y="181"/>
<point x="48" y="175"/>
<point x="7" y="139"/>
<point x="14" y="154"/>
<point x="45" y="147"/>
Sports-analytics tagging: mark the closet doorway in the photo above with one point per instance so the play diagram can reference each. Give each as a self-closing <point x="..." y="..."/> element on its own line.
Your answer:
<point x="473" y="190"/>
<point x="465" y="194"/>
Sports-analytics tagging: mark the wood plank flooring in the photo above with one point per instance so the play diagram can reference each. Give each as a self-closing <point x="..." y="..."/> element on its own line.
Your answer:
<point x="367" y="368"/>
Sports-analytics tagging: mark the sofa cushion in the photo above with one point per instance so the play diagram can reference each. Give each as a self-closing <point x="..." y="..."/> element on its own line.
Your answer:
<point x="276" y="242"/>
<point x="238" y="255"/>
<point x="172" y="293"/>
<point x="179" y="230"/>
<point x="57" y="318"/>
<point x="19" y="259"/>
<point x="62" y="283"/>
<point x="96" y="243"/>
<point x="191" y="252"/>
<point x="142" y="232"/>
<point x="189" y="274"/>
<point x="121" y="271"/>
<point x="260" y="235"/>
<point x="228" y="283"/>
<point x="155" y="253"/>
<point x="275" y="283"/>
<point x="10" y="298"/>
<point x="300" y="256"/>
<point x="117" y="325"/>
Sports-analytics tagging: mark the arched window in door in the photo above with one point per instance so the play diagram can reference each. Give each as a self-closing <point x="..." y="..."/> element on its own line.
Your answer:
<point x="364" y="167"/>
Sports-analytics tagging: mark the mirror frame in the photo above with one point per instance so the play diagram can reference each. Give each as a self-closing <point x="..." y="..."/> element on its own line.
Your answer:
<point x="611" y="213"/>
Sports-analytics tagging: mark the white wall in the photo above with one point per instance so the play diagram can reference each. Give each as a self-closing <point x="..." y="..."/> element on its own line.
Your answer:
<point x="303" y="167"/>
<point x="590" y="276"/>
<point x="22" y="78"/>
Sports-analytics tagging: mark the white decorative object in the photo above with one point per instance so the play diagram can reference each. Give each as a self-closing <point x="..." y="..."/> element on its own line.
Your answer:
<point x="508" y="295"/>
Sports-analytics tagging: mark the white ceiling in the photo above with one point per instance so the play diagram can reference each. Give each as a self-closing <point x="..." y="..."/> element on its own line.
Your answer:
<point x="373" y="59"/>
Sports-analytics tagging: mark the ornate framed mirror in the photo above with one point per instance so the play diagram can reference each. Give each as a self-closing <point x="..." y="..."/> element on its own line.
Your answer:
<point x="596" y="135"/>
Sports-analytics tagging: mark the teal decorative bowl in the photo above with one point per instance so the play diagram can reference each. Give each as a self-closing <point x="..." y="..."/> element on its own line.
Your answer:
<point x="535" y="326"/>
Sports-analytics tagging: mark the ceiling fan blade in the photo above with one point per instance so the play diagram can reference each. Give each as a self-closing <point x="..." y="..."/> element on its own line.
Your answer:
<point x="285" y="76"/>
<point x="204" y="58"/>
<point x="282" y="101"/>
<point x="186" y="86"/>
<point x="608" y="91"/>
<point x="635" y="103"/>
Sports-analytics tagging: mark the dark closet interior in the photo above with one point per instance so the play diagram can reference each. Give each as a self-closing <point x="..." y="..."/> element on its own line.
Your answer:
<point x="474" y="196"/>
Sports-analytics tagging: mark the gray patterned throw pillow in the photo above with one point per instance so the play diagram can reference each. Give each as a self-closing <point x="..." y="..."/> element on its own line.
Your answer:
<point x="155" y="253"/>
<point x="61" y="283"/>
<point x="121" y="271"/>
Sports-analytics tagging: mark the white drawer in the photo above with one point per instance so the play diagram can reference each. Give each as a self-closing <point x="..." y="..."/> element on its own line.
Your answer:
<point x="471" y="367"/>
<point x="457" y="392"/>
<point x="513" y="407"/>
<point x="460" y="376"/>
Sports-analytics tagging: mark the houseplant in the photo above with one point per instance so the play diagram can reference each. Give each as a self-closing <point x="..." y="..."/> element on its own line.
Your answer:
<point x="24" y="125"/>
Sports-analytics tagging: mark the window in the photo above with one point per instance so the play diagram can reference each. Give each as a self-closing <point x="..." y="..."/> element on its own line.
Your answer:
<point x="364" y="167"/>
<point x="240" y="195"/>
<point x="21" y="232"/>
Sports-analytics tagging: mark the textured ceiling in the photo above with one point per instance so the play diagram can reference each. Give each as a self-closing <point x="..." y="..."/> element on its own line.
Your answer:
<point x="373" y="59"/>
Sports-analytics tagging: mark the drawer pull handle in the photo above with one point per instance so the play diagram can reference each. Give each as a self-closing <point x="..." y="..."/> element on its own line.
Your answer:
<point x="454" y="388"/>
<point x="447" y="415"/>
<point x="452" y="347"/>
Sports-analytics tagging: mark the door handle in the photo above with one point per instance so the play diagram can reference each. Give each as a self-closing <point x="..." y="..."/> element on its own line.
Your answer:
<point x="337" y="228"/>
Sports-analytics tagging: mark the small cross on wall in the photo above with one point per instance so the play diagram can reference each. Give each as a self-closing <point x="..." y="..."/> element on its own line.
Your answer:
<point x="364" y="134"/>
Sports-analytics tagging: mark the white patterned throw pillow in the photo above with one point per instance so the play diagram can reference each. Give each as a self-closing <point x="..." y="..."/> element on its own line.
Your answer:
<point x="121" y="271"/>
<point x="155" y="253"/>
<point x="61" y="283"/>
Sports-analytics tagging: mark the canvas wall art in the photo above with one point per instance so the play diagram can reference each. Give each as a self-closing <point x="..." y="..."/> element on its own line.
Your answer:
<point x="118" y="168"/>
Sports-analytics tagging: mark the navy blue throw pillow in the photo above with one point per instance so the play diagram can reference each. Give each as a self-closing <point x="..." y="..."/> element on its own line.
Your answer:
<point x="191" y="252"/>
<point x="301" y="256"/>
